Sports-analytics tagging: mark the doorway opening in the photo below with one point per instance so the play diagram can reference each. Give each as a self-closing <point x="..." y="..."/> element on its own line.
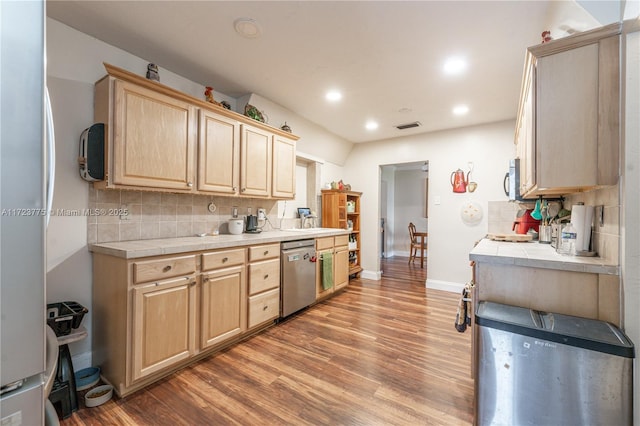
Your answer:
<point x="404" y="194"/>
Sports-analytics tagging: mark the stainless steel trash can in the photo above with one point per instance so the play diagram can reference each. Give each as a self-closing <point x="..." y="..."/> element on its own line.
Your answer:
<point x="539" y="368"/>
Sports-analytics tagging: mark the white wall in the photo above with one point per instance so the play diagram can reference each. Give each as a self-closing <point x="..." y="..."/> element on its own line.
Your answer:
<point x="314" y="140"/>
<point x="489" y="147"/>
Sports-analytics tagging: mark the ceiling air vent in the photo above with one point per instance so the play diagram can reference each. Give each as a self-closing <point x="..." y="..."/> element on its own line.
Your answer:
<point x="408" y="125"/>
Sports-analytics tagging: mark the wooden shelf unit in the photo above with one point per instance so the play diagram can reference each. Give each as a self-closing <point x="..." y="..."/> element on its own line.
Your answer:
<point x="341" y="209"/>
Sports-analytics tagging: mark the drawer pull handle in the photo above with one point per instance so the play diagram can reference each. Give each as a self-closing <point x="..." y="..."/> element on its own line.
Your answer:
<point x="266" y="252"/>
<point x="225" y="259"/>
<point x="266" y="276"/>
<point x="265" y="307"/>
<point x="166" y="268"/>
<point x="190" y="184"/>
<point x="205" y="279"/>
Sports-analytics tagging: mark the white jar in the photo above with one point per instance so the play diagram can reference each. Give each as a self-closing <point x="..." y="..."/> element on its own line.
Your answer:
<point x="236" y="226"/>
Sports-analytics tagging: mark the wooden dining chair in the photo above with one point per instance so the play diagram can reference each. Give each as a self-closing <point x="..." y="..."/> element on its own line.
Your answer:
<point x="415" y="243"/>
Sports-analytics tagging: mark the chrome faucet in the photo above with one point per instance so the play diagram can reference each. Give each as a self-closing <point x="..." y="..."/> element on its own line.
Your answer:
<point x="307" y="218"/>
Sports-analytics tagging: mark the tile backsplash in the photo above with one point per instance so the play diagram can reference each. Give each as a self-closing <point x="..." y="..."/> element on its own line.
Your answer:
<point x="165" y="215"/>
<point x="606" y="238"/>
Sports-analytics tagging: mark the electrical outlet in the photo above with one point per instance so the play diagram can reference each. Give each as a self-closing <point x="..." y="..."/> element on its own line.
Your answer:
<point x="262" y="214"/>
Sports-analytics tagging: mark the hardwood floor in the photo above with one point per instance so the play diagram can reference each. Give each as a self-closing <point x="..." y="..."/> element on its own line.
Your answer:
<point x="380" y="353"/>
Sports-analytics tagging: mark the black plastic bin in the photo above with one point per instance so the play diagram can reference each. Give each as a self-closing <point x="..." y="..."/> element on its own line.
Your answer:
<point x="63" y="317"/>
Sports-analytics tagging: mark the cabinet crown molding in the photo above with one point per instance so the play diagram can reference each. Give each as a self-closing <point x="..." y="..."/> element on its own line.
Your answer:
<point x="122" y="74"/>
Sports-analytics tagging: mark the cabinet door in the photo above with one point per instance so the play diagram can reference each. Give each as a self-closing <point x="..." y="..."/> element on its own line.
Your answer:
<point x="567" y="119"/>
<point x="218" y="154"/>
<point x="163" y="329"/>
<point x="320" y="290"/>
<point x="284" y="168"/>
<point x="334" y="210"/>
<point x="223" y="299"/>
<point x="341" y="267"/>
<point x="154" y="139"/>
<point x="255" y="164"/>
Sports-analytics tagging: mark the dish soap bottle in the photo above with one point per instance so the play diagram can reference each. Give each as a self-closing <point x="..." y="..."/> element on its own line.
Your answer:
<point x="568" y="240"/>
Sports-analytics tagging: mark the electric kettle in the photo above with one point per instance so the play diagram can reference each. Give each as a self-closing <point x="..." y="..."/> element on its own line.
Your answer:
<point x="252" y="224"/>
<point x="458" y="181"/>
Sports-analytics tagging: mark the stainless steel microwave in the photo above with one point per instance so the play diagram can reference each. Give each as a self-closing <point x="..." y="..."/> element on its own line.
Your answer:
<point x="512" y="181"/>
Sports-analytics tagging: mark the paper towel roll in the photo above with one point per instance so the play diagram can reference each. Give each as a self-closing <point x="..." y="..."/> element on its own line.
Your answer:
<point x="581" y="219"/>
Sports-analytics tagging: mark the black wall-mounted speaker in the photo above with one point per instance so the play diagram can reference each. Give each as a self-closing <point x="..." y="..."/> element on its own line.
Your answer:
<point x="91" y="158"/>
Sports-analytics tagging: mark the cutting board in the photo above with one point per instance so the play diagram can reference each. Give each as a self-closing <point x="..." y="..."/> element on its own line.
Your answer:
<point x="518" y="238"/>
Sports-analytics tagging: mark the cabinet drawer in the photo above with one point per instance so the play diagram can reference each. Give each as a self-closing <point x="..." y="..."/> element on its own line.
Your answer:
<point x="159" y="269"/>
<point x="264" y="307"/>
<point x="341" y="240"/>
<point x="267" y="251"/>
<point x="324" y="243"/>
<point x="264" y="276"/>
<point x="222" y="259"/>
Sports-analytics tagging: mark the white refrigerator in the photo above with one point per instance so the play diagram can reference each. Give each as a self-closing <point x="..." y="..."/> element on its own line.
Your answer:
<point x="23" y="168"/>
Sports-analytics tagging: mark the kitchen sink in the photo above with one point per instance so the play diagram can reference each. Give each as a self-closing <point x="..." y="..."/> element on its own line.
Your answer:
<point x="310" y="229"/>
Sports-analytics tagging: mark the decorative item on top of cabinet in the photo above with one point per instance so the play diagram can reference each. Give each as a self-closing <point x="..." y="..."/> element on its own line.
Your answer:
<point x="208" y="95"/>
<point x="152" y="72"/>
<point x="341" y="209"/>
<point x="151" y="136"/>
<point x="253" y="112"/>
<point x="567" y="129"/>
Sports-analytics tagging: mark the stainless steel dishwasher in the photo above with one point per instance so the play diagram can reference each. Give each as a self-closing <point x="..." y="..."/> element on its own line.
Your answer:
<point x="298" y="276"/>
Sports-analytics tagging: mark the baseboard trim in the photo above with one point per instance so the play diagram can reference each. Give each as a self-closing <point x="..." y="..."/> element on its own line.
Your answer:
<point x="371" y="275"/>
<point x="444" y="286"/>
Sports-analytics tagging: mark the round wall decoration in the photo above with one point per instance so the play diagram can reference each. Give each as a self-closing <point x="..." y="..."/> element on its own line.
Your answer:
<point x="471" y="213"/>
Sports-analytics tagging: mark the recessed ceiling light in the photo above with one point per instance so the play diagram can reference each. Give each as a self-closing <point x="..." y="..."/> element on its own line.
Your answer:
<point x="333" y="96"/>
<point x="371" y="125"/>
<point x="404" y="110"/>
<point x="460" y="110"/>
<point x="455" y="65"/>
<point x="247" y="27"/>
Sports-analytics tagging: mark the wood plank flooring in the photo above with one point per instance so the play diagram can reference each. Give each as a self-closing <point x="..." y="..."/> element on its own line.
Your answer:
<point x="379" y="353"/>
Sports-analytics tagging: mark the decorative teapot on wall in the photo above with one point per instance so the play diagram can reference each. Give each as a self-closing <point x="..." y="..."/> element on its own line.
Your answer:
<point x="458" y="181"/>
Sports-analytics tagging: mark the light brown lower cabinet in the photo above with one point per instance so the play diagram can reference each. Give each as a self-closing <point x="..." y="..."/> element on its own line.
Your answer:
<point x="164" y="322"/>
<point x="264" y="284"/>
<point x="338" y="247"/>
<point x="156" y="314"/>
<point x="223" y="292"/>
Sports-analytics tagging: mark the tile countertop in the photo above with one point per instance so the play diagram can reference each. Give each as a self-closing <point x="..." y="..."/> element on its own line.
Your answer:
<point x="535" y="255"/>
<point x="157" y="247"/>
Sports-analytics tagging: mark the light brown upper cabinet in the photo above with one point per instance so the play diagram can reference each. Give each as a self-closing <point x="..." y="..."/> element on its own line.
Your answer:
<point x="255" y="162"/>
<point x="284" y="168"/>
<point x="218" y="154"/>
<point x="160" y="139"/>
<point x="568" y="122"/>
<point x="151" y="136"/>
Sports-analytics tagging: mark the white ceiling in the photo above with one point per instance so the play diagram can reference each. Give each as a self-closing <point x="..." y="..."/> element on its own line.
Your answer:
<point x="384" y="56"/>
